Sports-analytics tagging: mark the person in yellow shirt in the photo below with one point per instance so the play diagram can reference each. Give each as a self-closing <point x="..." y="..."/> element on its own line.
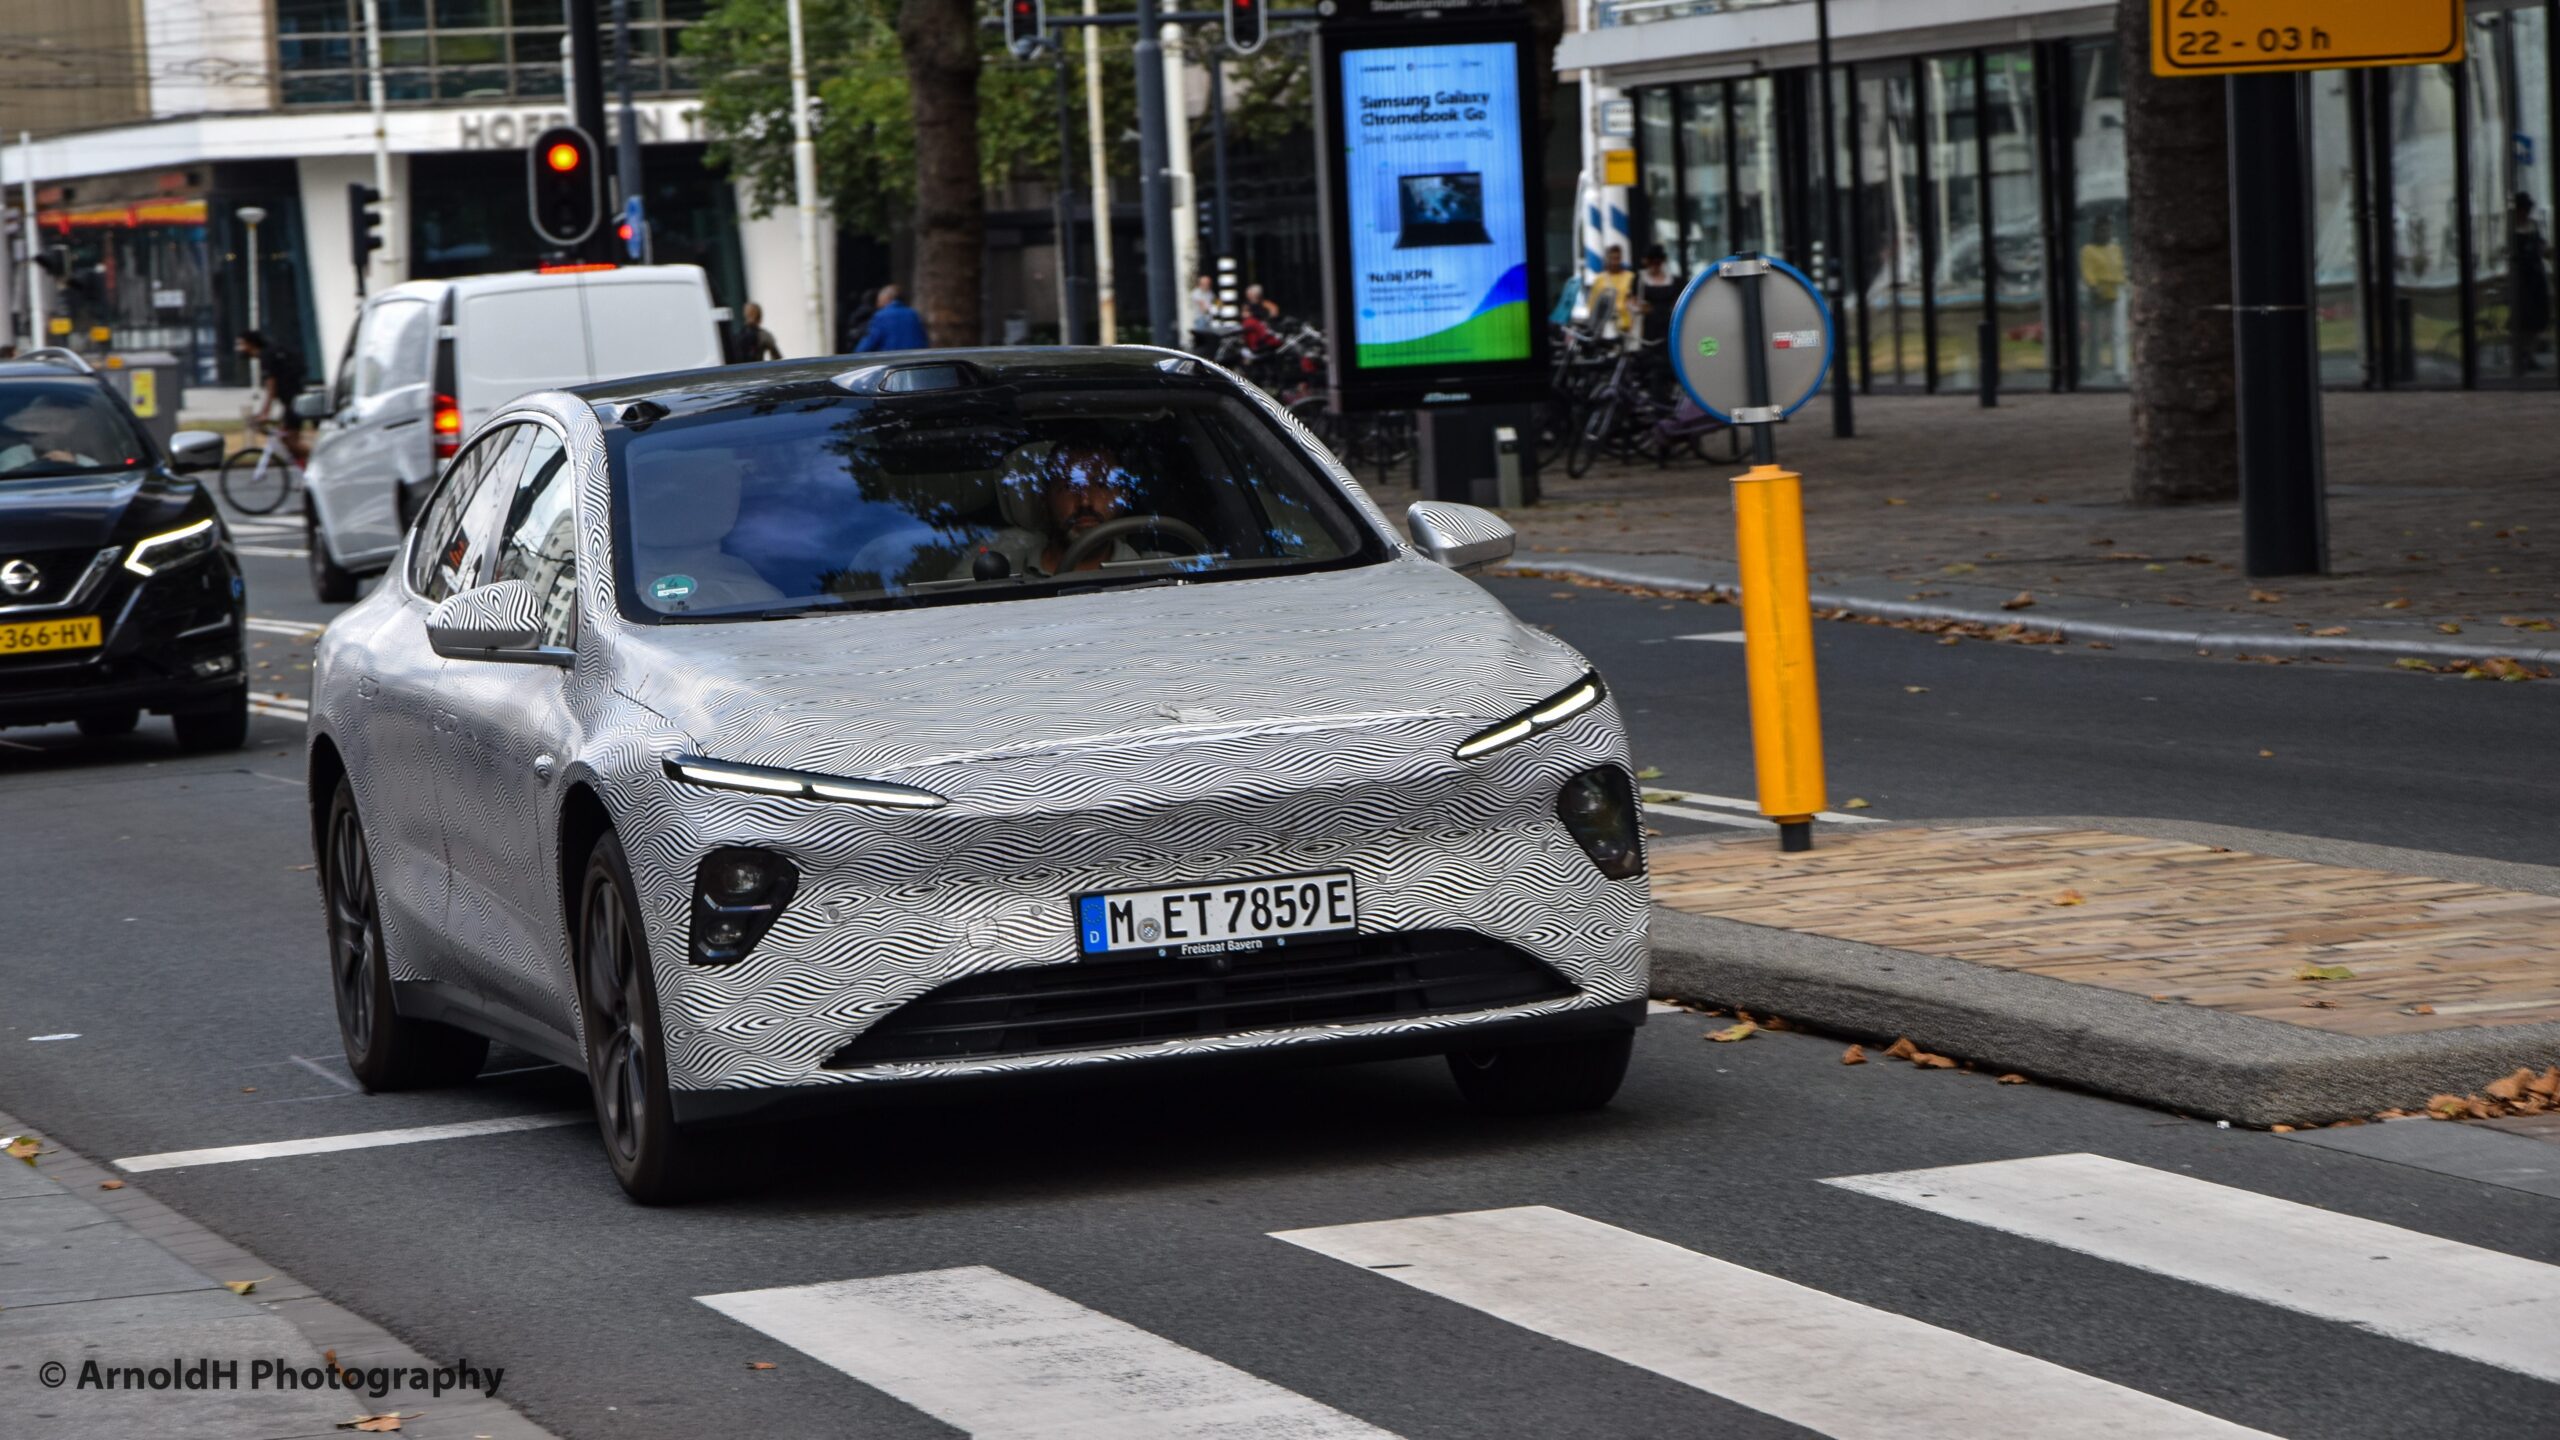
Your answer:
<point x="1617" y="283"/>
<point x="2102" y="285"/>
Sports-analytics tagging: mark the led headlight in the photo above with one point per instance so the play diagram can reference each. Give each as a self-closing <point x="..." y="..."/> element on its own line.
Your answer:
<point x="737" y="895"/>
<point x="156" y="553"/>
<point x="1563" y="705"/>
<point x="800" y="784"/>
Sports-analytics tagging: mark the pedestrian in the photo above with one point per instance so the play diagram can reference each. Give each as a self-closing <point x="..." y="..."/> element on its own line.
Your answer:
<point x="894" y="326"/>
<point x="1612" y="290"/>
<point x="859" y="323"/>
<point x="1657" y="293"/>
<point x="1261" y="305"/>
<point x="754" y="341"/>
<point x="2529" y="273"/>
<point x="2102" y="280"/>
<point x="280" y="378"/>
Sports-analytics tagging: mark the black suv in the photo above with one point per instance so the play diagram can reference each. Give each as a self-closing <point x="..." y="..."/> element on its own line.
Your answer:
<point x="119" y="589"/>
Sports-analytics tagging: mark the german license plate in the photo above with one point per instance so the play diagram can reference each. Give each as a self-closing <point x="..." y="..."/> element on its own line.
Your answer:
<point x="28" y="636"/>
<point x="1218" y="917"/>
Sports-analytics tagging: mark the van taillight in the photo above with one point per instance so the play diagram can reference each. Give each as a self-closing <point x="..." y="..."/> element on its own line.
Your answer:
<point x="448" y="425"/>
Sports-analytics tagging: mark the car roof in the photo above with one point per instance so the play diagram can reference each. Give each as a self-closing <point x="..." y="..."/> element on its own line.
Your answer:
<point x="530" y="279"/>
<point x="43" y="367"/>
<point x="1132" y="366"/>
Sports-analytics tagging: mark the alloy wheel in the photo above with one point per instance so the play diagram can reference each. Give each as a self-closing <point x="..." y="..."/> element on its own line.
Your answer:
<point x="617" y="1041"/>
<point x="354" y="928"/>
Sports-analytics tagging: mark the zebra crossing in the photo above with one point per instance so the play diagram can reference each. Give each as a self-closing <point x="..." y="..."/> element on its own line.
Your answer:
<point x="266" y="535"/>
<point x="994" y="1355"/>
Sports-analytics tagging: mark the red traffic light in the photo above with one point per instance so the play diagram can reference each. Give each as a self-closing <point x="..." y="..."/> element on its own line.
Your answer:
<point x="563" y="157"/>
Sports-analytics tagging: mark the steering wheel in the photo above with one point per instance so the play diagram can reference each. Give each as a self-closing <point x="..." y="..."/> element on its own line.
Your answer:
<point x="1109" y="532"/>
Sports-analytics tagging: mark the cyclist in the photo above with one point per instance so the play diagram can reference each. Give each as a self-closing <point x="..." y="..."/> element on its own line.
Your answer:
<point x="281" y="377"/>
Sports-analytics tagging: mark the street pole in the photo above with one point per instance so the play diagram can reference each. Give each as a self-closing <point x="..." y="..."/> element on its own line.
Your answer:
<point x="393" y="257"/>
<point x="1155" y="197"/>
<point x="1185" y="219"/>
<point x="27" y="220"/>
<point x="804" y="180"/>
<point x="1068" y="326"/>
<point x="1844" y="421"/>
<point x="251" y="216"/>
<point x="586" y="96"/>
<point x="626" y="128"/>
<point x="2283" y="512"/>
<point x="1223" y="233"/>
<point x="1105" y="300"/>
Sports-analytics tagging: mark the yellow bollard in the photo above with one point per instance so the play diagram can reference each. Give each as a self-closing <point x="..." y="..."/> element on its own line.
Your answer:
<point x="1777" y="629"/>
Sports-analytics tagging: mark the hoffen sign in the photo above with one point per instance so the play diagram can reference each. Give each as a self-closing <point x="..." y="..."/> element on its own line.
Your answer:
<point x="513" y="129"/>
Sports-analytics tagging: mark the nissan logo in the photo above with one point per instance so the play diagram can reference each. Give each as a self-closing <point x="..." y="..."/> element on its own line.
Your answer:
<point x="20" y="578"/>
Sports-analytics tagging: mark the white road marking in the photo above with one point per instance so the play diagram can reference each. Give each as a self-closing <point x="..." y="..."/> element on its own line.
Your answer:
<point x="325" y="1073"/>
<point x="2482" y="1305"/>
<point x="1800" y="1354"/>
<point x="1003" y="1359"/>
<point x="278" y="551"/>
<point x="361" y="1140"/>
<point x="1710" y="817"/>
<point x="1751" y="807"/>
<point x="283" y="627"/>
<point x="1730" y="637"/>
<point x="1651" y="1007"/>
<point x="66" y="1035"/>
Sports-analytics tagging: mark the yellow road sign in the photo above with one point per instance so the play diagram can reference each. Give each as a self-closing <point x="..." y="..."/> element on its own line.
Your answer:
<point x="2238" y="37"/>
<point x="146" y="393"/>
<point x="1617" y="167"/>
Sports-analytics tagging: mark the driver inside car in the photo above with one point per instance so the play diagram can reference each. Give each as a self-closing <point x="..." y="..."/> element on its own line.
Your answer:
<point x="1055" y="494"/>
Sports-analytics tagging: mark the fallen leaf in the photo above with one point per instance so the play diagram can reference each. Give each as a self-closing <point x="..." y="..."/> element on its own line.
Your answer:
<point x="110" y="1184"/>
<point x="1950" y="639"/>
<point x="2546" y="1084"/>
<point x="1854" y="1055"/>
<point x="1775" y="1022"/>
<point x="2157" y="568"/>
<point x="2411" y="662"/>
<point x="1961" y="567"/>
<point x="1927" y="1061"/>
<point x="1901" y="1049"/>
<point x="382" y="1424"/>
<point x="2324" y="972"/>
<point x="2070" y="897"/>
<point x="25" y="1147"/>
<point x="2422" y="1009"/>
<point x="243" y="1287"/>
<point x="2519" y="622"/>
<point x="2447" y="627"/>
<point x="2020" y="601"/>
<point x="761" y="1365"/>
<point x="2100" y="645"/>
<point x="1855" y="802"/>
<point x="1730" y="1033"/>
<point x="2265" y="597"/>
<point x="2281" y="1129"/>
<point x="2511" y="1087"/>
<point x="2316" y="1003"/>
<point x="248" y="1089"/>
<point x="1915" y="689"/>
<point x="1659" y="797"/>
<point x="1650" y="772"/>
<point x="2445" y="1107"/>
<point x="2266" y="754"/>
<point x="2400" y="604"/>
<point x="2327" y="630"/>
<point x="2013" y="1078"/>
<point x="1893" y="500"/>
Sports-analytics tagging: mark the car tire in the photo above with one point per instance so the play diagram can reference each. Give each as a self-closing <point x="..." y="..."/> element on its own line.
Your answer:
<point x="107" y="724"/>
<point x="1554" y="1078"/>
<point x="657" y="1161"/>
<point x="222" y="727"/>
<point x="332" y="582"/>
<point x="385" y="1050"/>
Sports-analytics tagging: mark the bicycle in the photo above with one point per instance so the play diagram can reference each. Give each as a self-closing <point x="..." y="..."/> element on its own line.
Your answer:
<point x="258" y="481"/>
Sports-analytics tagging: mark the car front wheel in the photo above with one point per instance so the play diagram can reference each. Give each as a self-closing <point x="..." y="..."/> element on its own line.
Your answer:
<point x="1554" y="1078"/>
<point x="657" y="1162"/>
<point x="385" y="1050"/>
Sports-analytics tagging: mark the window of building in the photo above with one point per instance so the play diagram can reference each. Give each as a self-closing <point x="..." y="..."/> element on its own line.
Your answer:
<point x="2337" y="232"/>
<point x="1705" y="168"/>
<point x="439" y="51"/>
<point x="2100" y="288"/>
<point x="2508" y="77"/>
<point x="1888" y="210"/>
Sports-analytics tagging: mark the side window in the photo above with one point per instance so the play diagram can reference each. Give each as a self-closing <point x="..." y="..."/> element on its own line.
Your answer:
<point x="390" y="349"/>
<point x="540" y="541"/>
<point x="442" y="556"/>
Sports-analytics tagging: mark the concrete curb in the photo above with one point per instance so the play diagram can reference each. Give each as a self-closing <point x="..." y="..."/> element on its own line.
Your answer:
<point x="2115" y="632"/>
<point x="2179" y="1057"/>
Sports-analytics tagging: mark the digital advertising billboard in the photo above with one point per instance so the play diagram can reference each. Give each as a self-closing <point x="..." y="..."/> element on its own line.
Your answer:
<point x="1433" y="221"/>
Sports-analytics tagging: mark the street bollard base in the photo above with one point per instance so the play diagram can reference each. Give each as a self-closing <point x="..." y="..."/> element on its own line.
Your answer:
<point x="1795" y="835"/>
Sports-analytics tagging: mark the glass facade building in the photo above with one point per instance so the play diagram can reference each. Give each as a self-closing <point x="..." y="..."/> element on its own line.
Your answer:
<point x="438" y="51"/>
<point x="1983" y="207"/>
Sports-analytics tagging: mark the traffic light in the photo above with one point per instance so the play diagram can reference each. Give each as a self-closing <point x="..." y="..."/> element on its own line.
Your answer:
<point x="364" y="221"/>
<point x="1026" y="23"/>
<point x="567" y="185"/>
<point x="1244" y="26"/>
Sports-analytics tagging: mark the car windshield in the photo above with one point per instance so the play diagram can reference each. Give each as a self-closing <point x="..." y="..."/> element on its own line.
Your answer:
<point x="62" y="427"/>
<point x="834" y="501"/>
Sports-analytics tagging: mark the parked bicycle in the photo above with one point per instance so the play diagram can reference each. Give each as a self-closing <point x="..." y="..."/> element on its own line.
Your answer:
<point x="1634" y="414"/>
<point x="258" y="480"/>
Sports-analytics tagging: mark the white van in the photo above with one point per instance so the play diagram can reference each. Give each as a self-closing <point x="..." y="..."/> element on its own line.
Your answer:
<point x="431" y="359"/>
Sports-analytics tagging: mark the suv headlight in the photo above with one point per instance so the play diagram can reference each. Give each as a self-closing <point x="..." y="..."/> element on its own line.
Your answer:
<point x="173" y="547"/>
<point x="1563" y="705"/>
<point x="1599" y="807"/>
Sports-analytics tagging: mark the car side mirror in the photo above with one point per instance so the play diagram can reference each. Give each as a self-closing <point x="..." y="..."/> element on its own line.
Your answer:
<point x="195" y="450"/>
<point x="311" y="405"/>
<point x="1461" y="537"/>
<point x="500" y="621"/>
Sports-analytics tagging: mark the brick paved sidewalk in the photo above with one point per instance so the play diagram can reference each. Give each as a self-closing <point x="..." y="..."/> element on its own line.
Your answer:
<point x="2449" y="502"/>
<point x="2179" y="922"/>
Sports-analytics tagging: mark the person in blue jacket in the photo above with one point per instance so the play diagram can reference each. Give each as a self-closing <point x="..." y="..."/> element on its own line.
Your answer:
<point x="894" y="326"/>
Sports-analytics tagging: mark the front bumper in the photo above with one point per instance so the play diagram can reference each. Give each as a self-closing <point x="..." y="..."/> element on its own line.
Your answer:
<point x="157" y="633"/>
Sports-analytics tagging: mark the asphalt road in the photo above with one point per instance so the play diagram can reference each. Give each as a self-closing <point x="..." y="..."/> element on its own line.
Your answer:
<point x="166" y="918"/>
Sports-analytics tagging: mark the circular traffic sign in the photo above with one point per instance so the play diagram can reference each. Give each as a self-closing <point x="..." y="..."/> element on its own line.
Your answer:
<point x="1710" y="352"/>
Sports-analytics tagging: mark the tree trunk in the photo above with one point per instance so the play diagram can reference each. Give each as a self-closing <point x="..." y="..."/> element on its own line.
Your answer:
<point x="939" y="41"/>
<point x="2186" y="437"/>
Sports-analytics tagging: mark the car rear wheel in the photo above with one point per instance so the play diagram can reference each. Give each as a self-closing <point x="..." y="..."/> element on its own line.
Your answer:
<point x="1554" y="1078"/>
<point x="657" y="1161"/>
<point x="385" y="1050"/>
<point x="332" y="582"/>
<point x="221" y="727"/>
<point x="107" y="724"/>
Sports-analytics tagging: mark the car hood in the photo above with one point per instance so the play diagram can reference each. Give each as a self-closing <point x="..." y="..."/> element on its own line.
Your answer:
<point x="61" y="512"/>
<point x="875" y="692"/>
